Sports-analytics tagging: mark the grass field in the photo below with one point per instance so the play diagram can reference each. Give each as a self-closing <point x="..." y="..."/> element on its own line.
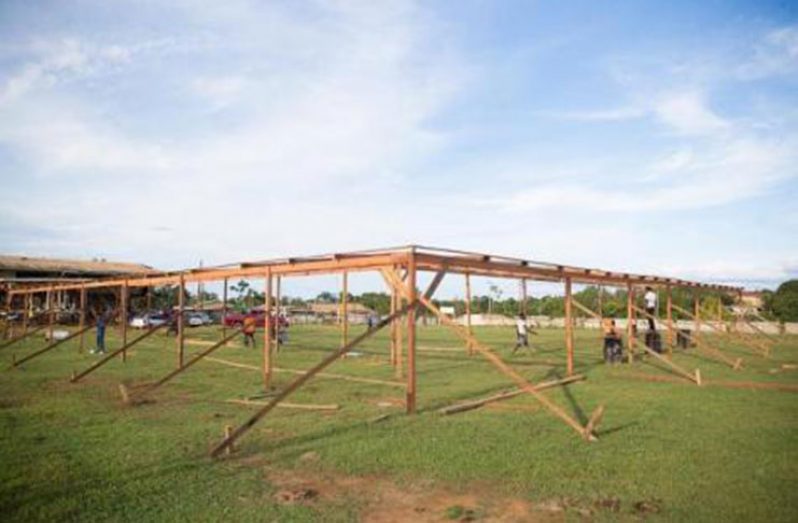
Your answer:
<point x="667" y="451"/>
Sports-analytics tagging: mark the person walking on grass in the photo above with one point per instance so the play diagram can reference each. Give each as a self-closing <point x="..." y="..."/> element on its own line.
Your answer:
<point x="248" y="327"/>
<point x="521" y="333"/>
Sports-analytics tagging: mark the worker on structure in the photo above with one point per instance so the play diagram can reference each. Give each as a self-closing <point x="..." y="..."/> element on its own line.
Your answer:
<point x="249" y="326"/>
<point x="613" y="343"/>
<point x="650" y="297"/>
<point x="521" y="333"/>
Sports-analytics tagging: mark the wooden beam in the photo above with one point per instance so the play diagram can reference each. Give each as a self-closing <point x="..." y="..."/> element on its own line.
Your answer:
<point x="301" y="380"/>
<point x="181" y="321"/>
<point x="108" y="357"/>
<point x="187" y="365"/>
<point x="124" y="305"/>
<point x="468" y="312"/>
<point x="267" y="332"/>
<point x="49" y="347"/>
<point x="705" y="347"/>
<point x="475" y="404"/>
<point x="285" y="405"/>
<point x="736" y="335"/>
<point x="343" y="313"/>
<point x="411" y="336"/>
<point x="224" y="308"/>
<point x="503" y="367"/>
<point x="630" y="321"/>
<point x="23" y="336"/>
<point x="82" y="320"/>
<point x="277" y="298"/>
<point x="669" y="320"/>
<point x="569" y="328"/>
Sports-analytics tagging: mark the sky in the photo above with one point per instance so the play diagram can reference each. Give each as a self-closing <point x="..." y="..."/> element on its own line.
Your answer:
<point x="654" y="137"/>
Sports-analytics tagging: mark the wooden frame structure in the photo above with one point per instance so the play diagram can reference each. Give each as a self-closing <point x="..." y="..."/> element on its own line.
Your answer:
<point x="400" y="267"/>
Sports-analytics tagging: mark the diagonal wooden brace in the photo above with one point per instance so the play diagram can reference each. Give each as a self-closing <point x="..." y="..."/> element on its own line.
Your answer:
<point x="50" y="347"/>
<point x="189" y="363"/>
<point x="228" y="441"/>
<point x="77" y="377"/>
<point x="503" y="367"/>
<point x="22" y="336"/>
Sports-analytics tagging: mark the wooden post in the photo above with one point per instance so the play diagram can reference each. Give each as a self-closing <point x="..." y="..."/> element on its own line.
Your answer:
<point x="267" y="332"/>
<point x="630" y="319"/>
<point x="7" y="331"/>
<point x="224" y="309"/>
<point x="393" y="328"/>
<point x="26" y="307"/>
<point x="721" y="324"/>
<point x="600" y="303"/>
<point x="277" y="299"/>
<point x="411" y="334"/>
<point x="82" y="315"/>
<point x="697" y="314"/>
<point x="669" y="313"/>
<point x="149" y="299"/>
<point x="124" y="296"/>
<point x="51" y="312"/>
<point x="181" y="291"/>
<point x="569" y="327"/>
<point x="523" y="297"/>
<point x="468" y="311"/>
<point x="343" y="314"/>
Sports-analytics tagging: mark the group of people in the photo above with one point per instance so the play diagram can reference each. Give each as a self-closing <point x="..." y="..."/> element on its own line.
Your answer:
<point x="613" y="339"/>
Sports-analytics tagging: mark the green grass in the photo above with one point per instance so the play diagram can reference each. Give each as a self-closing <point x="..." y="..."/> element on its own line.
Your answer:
<point x="72" y="451"/>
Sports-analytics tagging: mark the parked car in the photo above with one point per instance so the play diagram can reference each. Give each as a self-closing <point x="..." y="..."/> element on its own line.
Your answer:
<point x="197" y="319"/>
<point x="150" y="319"/>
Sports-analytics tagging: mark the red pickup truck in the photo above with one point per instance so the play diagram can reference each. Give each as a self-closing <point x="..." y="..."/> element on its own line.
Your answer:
<point x="236" y="319"/>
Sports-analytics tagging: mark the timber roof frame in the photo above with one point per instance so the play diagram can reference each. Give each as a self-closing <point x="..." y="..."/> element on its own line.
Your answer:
<point x="426" y="259"/>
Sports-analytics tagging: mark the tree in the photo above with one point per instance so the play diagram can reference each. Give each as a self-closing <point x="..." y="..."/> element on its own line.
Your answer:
<point x="785" y="301"/>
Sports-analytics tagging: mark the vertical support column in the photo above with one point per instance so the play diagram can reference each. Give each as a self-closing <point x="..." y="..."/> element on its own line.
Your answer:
<point x="9" y="329"/>
<point x="523" y="297"/>
<point x="721" y="324"/>
<point x="25" y="305"/>
<point x="82" y="316"/>
<point x="267" y="331"/>
<point x="411" y="335"/>
<point x="123" y="317"/>
<point x="669" y="313"/>
<point x="630" y="320"/>
<point x="224" y="309"/>
<point x="51" y="315"/>
<point x="181" y="299"/>
<point x="601" y="302"/>
<point x="343" y="313"/>
<point x="277" y="299"/>
<point x="468" y="311"/>
<point x="393" y="328"/>
<point x="697" y="313"/>
<point x="149" y="299"/>
<point x="569" y="327"/>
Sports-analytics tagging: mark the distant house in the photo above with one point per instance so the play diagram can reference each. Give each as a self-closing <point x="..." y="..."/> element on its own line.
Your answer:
<point x="27" y="270"/>
<point x="330" y="313"/>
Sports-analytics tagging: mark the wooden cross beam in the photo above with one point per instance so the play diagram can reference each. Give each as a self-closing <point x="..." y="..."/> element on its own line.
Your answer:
<point x="50" y="347"/>
<point x="717" y="329"/>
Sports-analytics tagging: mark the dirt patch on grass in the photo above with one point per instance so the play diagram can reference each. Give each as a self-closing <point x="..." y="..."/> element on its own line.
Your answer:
<point x="383" y="500"/>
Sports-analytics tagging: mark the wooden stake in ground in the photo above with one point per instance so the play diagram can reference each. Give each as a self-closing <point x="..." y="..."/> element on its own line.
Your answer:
<point x="411" y="336"/>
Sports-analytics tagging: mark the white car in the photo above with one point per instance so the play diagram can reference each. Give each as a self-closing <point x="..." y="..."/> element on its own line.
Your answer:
<point x="197" y="319"/>
<point x="148" y="320"/>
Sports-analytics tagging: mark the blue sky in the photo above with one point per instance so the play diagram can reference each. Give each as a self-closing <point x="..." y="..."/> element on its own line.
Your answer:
<point x="653" y="137"/>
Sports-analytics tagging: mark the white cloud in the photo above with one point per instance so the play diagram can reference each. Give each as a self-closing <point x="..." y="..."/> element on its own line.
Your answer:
<point x="687" y="113"/>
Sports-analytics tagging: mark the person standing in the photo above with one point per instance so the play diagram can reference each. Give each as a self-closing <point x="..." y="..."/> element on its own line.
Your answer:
<point x="521" y="333"/>
<point x="100" y="327"/>
<point x="650" y="297"/>
<point x="249" y="327"/>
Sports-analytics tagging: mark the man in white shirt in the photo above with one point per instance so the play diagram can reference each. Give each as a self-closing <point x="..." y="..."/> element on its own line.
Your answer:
<point x="521" y="333"/>
<point x="650" y="297"/>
